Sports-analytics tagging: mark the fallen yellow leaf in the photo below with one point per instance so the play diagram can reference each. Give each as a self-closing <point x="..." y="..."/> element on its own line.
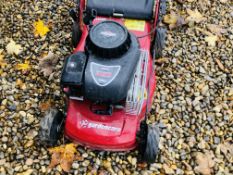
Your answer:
<point x="13" y="48"/>
<point x="40" y="29"/>
<point x="194" y="16"/>
<point x="211" y="40"/>
<point x="23" y="66"/>
<point x="170" y="19"/>
<point x="2" y="61"/>
<point x="63" y="155"/>
<point x="20" y="84"/>
<point x="174" y="20"/>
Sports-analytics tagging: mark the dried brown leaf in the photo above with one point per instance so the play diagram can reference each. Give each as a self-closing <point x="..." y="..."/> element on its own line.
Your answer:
<point x="216" y="29"/>
<point x="63" y="155"/>
<point x="66" y="164"/>
<point x="48" y="63"/>
<point x="44" y="106"/>
<point x="205" y="163"/>
<point x="55" y="159"/>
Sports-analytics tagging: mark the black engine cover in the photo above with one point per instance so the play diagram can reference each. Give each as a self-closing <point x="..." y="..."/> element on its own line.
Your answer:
<point x="107" y="80"/>
<point x="73" y="70"/>
<point x="108" y="39"/>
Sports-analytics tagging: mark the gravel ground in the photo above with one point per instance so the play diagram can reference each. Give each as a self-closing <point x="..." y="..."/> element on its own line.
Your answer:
<point x="193" y="102"/>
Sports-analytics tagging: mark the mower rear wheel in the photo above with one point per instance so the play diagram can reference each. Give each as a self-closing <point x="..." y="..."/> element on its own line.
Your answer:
<point x="149" y="142"/>
<point x="76" y="34"/>
<point x="51" y="127"/>
<point x="162" y="9"/>
<point x="159" y="42"/>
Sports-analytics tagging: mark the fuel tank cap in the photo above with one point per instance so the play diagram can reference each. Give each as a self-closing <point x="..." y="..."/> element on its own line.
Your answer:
<point x="108" y="39"/>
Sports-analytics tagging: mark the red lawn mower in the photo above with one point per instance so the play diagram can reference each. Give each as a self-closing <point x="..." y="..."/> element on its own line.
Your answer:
<point x="109" y="80"/>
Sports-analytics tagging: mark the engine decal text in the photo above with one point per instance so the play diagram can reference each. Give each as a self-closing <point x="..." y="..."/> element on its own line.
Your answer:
<point x="87" y="124"/>
<point x="103" y="75"/>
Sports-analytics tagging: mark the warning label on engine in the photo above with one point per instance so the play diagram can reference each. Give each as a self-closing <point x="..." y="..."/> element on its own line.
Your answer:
<point x="137" y="25"/>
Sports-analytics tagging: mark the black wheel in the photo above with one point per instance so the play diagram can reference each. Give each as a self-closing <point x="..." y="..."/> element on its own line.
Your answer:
<point x="148" y="142"/>
<point x="76" y="34"/>
<point x="160" y="33"/>
<point x="162" y="9"/>
<point x="51" y="126"/>
<point x="159" y="42"/>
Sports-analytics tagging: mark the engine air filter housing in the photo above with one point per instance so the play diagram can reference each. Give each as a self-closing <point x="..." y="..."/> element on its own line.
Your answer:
<point x="108" y="39"/>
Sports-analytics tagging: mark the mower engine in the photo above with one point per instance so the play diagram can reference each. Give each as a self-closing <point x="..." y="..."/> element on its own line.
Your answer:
<point x="103" y="73"/>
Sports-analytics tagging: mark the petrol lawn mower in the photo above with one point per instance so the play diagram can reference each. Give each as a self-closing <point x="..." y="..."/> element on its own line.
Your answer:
<point x="109" y="80"/>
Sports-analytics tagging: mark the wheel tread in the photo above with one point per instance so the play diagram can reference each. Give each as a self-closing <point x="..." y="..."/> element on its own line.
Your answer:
<point x="52" y="117"/>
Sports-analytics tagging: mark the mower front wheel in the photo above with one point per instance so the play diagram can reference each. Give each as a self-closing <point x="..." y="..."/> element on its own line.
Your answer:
<point x="51" y="127"/>
<point x="76" y="34"/>
<point x="148" y="143"/>
<point x="159" y="42"/>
